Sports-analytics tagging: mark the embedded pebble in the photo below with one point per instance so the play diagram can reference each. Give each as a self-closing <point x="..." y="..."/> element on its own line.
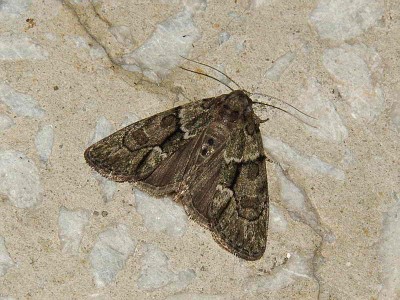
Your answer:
<point x="109" y="254"/>
<point x="254" y="4"/>
<point x="341" y="20"/>
<point x="329" y="124"/>
<point x="44" y="142"/>
<point x="14" y="7"/>
<point x="353" y="67"/>
<point x="21" y="104"/>
<point x="103" y="129"/>
<point x="223" y="37"/>
<point x="19" y="47"/>
<point x="71" y="224"/>
<point x="19" y="179"/>
<point x="285" y="154"/>
<point x="221" y="76"/>
<point x="279" y="66"/>
<point x="161" y="214"/>
<point x="277" y="220"/>
<point x="299" y="206"/>
<point x="240" y="47"/>
<point x="77" y="41"/>
<point x="162" y="51"/>
<point x="130" y="119"/>
<point x="390" y="251"/>
<point x="97" y="52"/>
<point x="296" y="267"/>
<point x="155" y="272"/>
<point x="123" y="35"/>
<point x="108" y="187"/>
<point x="195" y="6"/>
<point x="395" y="116"/>
<point x="192" y="296"/>
<point x="6" y="261"/>
<point x="5" y="122"/>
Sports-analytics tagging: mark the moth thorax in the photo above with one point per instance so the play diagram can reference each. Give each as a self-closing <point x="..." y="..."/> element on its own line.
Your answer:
<point x="235" y="107"/>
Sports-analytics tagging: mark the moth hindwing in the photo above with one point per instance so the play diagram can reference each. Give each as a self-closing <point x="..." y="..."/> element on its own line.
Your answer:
<point x="209" y="154"/>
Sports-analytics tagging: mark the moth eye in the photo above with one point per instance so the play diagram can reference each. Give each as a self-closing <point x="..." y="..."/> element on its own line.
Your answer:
<point x="234" y="115"/>
<point x="206" y="104"/>
<point x="210" y="141"/>
<point x="140" y="136"/>
<point x="167" y="120"/>
<point x="253" y="171"/>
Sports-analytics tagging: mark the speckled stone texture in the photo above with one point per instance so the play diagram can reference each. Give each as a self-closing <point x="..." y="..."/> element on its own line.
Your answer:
<point x="73" y="71"/>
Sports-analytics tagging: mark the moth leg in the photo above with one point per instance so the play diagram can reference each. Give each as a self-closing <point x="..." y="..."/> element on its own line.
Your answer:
<point x="268" y="159"/>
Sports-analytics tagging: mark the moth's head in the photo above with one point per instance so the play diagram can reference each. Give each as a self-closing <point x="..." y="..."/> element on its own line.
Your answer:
<point x="235" y="106"/>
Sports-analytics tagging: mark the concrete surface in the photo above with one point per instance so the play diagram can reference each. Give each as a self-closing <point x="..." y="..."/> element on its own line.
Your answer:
<point x="73" y="71"/>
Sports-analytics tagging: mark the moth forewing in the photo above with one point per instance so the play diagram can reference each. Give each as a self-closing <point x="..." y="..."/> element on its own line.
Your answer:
<point x="209" y="154"/>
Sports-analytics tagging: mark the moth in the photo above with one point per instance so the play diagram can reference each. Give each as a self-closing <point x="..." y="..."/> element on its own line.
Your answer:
<point x="209" y="155"/>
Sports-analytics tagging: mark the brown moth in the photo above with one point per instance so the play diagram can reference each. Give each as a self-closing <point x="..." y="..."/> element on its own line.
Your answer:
<point x="209" y="155"/>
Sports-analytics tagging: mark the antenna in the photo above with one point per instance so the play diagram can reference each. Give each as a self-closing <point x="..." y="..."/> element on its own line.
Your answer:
<point x="260" y="94"/>
<point x="271" y="97"/>
<point x="215" y="69"/>
<point x="209" y="76"/>
<point x="278" y="108"/>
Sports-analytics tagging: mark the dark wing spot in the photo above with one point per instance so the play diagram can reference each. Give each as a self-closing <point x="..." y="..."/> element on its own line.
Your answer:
<point x="168" y="121"/>
<point x="250" y="207"/>
<point x="140" y="136"/>
<point x="250" y="128"/>
<point x="204" y="152"/>
<point x="210" y="141"/>
<point x="263" y="189"/>
<point x="253" y="171"/>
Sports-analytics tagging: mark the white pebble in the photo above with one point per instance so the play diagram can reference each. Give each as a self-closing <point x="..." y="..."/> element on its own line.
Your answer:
<point x="21" y="104"/>
<point x="162" y="51"/>
<point x="103" y="129"/>
<point x="297" y="267"/>
<point x="277" y="221"/>
<point x="44" y="142"/>
<point x="71" y="224"/>
<point x="5" y="122"/>
<point x="353" y="68"/>
<point x="329" y="124"/>
<point x="14" y="7"/>
<point x="109" y="254"/>
<point x="19" y="47"/>
<point x="299" y="206"/>
<point x="285" y="154"/>
<point x="6" y="261"/>
<point x="19" y="179"/>
<point x="390" y="251"/>
<point x="155" y="272"/>
<point x="340" y="20"/>
<point x="279" y="66"/>
<point x="161" y="214"/>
